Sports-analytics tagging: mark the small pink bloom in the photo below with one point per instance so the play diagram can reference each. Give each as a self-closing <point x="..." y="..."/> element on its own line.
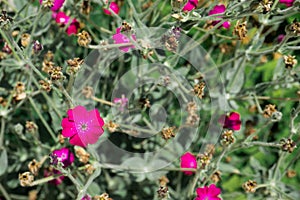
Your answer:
<point x="188" y="160"/>
<point x="86" y="197"/>
<point x="120" y="38"/>
<point x="190" y="5"/>
<point x="63" y="155"/>
<point x="51" y="172"/>
<point x="62" y="19"/>
<point x="231" y="121"/>
<point x="288" y="3"/>
<point x="219" y="9"/>
<point x="57" y="4"/>
<point x="114" y="7"/>
<point x="82" y="127"/>
<point x="122" y="102"/>
<point x="208" y="193"/>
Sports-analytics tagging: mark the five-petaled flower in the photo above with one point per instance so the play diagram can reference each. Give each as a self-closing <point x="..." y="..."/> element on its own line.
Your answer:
<point x="188" y="160"/>
<point x="120" y="38"/>
<point x="82" y="127"/>
<point x="231" y="121"/>
<point x="208" y="193"/>
<point x="190" y="5"/>
<point x="63" y="155"/>
<point x="62" y="19"/>
<point x="219" y="9"/>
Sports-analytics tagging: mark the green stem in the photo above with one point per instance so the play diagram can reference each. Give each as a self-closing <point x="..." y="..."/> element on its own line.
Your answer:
<point x="4" y="192"/>
<point x="42" y="119"/>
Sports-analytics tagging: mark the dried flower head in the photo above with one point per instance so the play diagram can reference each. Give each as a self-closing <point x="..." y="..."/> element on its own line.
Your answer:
<point x="89" y="169"/>
<point x="5" y="19"/>
<point x="250" y="186"/>
<point x="210" y="149"/>
<point x="19" y="91"/>
<point x="269" y="110"/>
<point x="192" y="119"/>
<point x="287" y="145"/>
<point x="74" y="65"/>
<point x="34" y="167"/>
<point x="46" y="85"/>
<point x="103" y="196"/>
<point x="6" y="48"/>
<point x="168" y="133"/>
<point x="291" y="173"/>
<point x="37" y="47"/>
<point x="163" y="192"/>
<point x="111" y="126"/>
<point x="84" y="39"/>
<point x="227" y="138"/>
<point x="56" y="73"/>
<point x="26" y="179"/>
<point x="48" y="3"/>
<point x="204" y="160"/>
<point x="88" y="91"/>
<point x="265" y="6"/>
<point x="85" y="7"/>
<point x="126" y="28"/>
<point x="163" y="181"/>
<point x="290" y="61"/>
<point x="31" y="127"/>
<point x="240" y="30"/>
<point x="25" y="39"/>
<point x="47" y="66"/>
<point x="145" y="103"/>
<point x="170" y="42"/>
<point x="199" y="89"/>
<point x="294" y="28"/>
<point x="48" y="56"/>
<point x="216" y="177"/>
<point x="2" y="55"/>
<point x="82" y="154"/>
<point x="61" y="139"/>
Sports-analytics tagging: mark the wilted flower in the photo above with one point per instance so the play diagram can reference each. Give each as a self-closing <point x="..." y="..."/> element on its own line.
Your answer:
<point x="111" y="126"/>
<point x="114" y="7"/>
<point x="190" y="5"/>
<point x="34" y="167"/>
<point x="219" y="9"/>
<point x="82" y="154"/>
<point x="26" y="179"/>
<point x="290" y="61"/>
<point x="250" y="186"/>
<point x="231" y="121"/>
<point x="199" y="89"/>
<point x="63" y="155"/>
<point x="19" y="91"/>
<point x="269" y="110"/>
<point x="216" y="177"/>
<point x="82" y="127"/>
<point x="85" y="7"/>
<point x="74" y="65"/>
<point x="6" y="49"/>
<point x="56" y="73"/>
<point x="227" y="138"/>
<point x="288" y="145"/>
<point x="240" y="30"/>
<point x="25" y="39"/>
<point x="31" y="127"/>
<point x="37" y="47"/>
<point x="84" y="39"/>
<point x="89" y="168"/>
<point x="50" y="171"/>
<point x="120" y="38"/>
<point x="204" y="159"/>
<point x="188" y="160"/>
<point x="210" y="192"/>
<point x="168" y="133"/>
<point x="53" y="4"/>
<point x="45" y="85"/>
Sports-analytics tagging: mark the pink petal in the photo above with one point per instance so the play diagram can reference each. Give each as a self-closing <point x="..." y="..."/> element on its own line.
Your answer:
<point x="95" y="113"/>
<point x="213" y="190"/>
<point x="75" y="140"/>
<point x="226" y="25"/>
<point x="234" y="116"/>
<point x="218" y="9"/>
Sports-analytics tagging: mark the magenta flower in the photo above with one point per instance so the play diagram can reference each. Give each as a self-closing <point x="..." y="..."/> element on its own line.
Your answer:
<point x="63" y="155"/>
<point x="57" y="4"/>
<point x="219" y="9"/>
<point x="50" y="172"/>
<point x="82" y="127"/>
<point x="231" y="121"/>
<point x="288" y="3"/>
<point x="120" y="38"/>
<point x="86" y="197"/>
<point x="190" y="5"/>
<point x="114" y="7"/>
<point x="188" y="160"/>
<point x="62" y="19"/>
<point x="122" y="102"/>
<point x="280" y="38"/>
<point x="208" y="193"/>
